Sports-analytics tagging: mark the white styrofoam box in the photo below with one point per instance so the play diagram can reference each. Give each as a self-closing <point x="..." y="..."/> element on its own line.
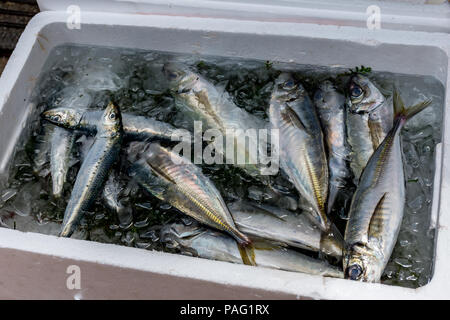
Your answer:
<point x="399" y="51"/>
<point x="396" y="14"/>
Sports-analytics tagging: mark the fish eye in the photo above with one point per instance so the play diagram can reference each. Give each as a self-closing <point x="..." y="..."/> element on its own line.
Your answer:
<point x="172" y="75"/>
<point x="354" y="272"/>
<point x="112" y="116"/>
<point x="289" y="83"/>
<point x="356" y="91"/>
<point x="56" y="118"/>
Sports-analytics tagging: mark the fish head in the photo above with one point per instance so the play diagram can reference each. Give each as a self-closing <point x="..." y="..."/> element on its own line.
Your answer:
<point x="362" y="264"/>
<point x="286" y="88"/>
<point x="364" y="96"/>
<point x="63" y="117"/>
<point x="326" y="96"/>
<point x="111" y="119"/>
<point x="181" y="78"/>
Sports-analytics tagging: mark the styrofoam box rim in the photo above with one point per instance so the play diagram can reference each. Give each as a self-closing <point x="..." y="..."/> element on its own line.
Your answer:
<point x="38" y="38"/>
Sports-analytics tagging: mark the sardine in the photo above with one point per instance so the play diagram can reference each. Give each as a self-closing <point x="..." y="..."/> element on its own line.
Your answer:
<point x="112" y="189"/>
<point x="301" y="148"/>
<point x="376" y="210"/>
<point x="369" y="120"/>
<point x="216" y="109"/>
<point x="210" y="244"/>
<point x="135" y="127"/>
<point x="94" y="169"/>
<point x="182" y="184"/>
<point x="330" y="106"/>
<point x="291" y="228"/>
<point x="62" y="140"/>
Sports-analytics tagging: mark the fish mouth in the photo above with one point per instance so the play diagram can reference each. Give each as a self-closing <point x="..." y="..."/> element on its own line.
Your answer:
<point x="353" y="272"/>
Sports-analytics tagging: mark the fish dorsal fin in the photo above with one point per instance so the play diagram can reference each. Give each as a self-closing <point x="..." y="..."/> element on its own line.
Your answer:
<point x="289" y="115"/>
<point x="377" y="222"/>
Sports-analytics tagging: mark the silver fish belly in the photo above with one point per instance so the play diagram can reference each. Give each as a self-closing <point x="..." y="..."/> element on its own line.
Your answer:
<point x="296" y="230"/>
<point x="178" y="181"/>
<point x="94" y="169"/>
<point x="301" y="149"/>
<point x="209" y="244"/>
<point x="330" y="106"/>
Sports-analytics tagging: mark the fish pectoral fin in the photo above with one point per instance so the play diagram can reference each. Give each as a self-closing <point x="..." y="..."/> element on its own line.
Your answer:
<point x="289" y="115"/>
<point x="377" y="222"/>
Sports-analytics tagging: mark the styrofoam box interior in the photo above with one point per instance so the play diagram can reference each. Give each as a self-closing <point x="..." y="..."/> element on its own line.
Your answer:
<point x="144" y="274"/>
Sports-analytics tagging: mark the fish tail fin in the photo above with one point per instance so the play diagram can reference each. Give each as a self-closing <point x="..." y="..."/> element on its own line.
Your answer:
<point x="402" y="113"/>
<point x="66" y="231"/>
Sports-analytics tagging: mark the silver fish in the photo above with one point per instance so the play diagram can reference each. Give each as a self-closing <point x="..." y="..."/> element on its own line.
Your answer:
<point x="369" y="119"/>
<point x="134" y="127"/>
<point x="284" y="226"/>
<point x="330" y="106"/>
<point x="209" y="244"/>
<point x="62" y="140"/>
<point x="112" y="189"/>
<point x="94" y="169"/>
<point x="301" y="148"/>
<point x="200" y="97"/>
<point x="376" y="210"/>
<point x="182" y="184"/>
